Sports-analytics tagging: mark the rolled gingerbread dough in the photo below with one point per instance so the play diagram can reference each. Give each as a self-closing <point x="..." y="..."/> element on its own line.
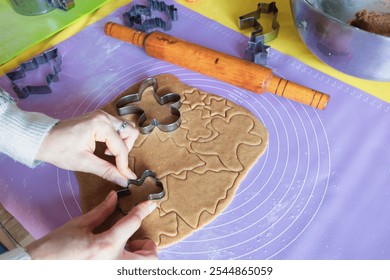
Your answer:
<point x="201" y="164"/>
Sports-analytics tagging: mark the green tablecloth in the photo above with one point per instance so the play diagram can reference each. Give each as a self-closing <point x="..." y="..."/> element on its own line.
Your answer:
<point x="18" y="32"/>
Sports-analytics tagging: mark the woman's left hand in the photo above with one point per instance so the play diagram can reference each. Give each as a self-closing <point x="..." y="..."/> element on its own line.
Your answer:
<point x="71" y="144"/>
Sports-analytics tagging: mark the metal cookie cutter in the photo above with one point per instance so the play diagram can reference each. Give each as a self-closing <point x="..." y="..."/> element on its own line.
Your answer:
<point x="257" y="51"/>
<point x="64" y="5"/>
<point x="135" y="18"/>
<point x="33" y="64"/>
<point x="139" y="182"/>
<point x="124" y="109"/>
<point x="38" y="7"/>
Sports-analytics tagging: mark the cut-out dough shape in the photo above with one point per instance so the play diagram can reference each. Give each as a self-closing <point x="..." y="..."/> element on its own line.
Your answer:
<point x="166" y="223"/>
<point x="224" y="145"/>
<point x="200" y="171"/>
<point x="157" y="155"/>
<point x="218" y="107"/>
<point x="198" y="131"/>
<point x="204" y="187"/>
<point x="194" y="98"/>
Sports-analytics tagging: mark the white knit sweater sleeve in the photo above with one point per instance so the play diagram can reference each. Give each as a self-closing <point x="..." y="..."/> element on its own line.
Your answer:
<point x="18" y="253"/>
<point x="21" y="132"/>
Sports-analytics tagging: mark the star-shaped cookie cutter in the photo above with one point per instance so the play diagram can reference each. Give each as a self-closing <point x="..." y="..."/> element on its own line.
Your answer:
<point x="257" y="51"/>
<point x="123" y="107"/>
<point x="139" y="182"/>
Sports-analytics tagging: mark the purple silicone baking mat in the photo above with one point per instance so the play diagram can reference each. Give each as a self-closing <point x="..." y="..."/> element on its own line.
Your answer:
<point x="321" y="190"/>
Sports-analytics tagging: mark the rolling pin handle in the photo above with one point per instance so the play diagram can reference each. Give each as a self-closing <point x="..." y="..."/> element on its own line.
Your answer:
<point x="128" y="35"/>
<point x="298" y="93"/>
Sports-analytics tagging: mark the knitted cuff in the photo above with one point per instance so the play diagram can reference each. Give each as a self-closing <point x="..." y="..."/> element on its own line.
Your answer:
<point x="21" y="133"/>
<point x="16" y="254"/>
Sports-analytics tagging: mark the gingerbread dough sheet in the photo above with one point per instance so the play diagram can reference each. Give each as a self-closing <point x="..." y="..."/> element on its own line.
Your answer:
<point x="200" y="164"/>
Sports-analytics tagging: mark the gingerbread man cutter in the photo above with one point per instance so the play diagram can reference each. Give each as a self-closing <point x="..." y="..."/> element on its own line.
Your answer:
<point x="139" y="182"/>
<point x="124" y="107"/>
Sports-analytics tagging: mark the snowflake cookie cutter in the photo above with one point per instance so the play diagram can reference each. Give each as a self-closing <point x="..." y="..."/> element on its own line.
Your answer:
<point x="124" y="107"/>
<point x="139" y="182"/>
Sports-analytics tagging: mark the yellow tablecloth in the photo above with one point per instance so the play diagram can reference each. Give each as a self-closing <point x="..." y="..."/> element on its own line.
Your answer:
<point x="288" y="42"/>
<point x="225" y="12"/>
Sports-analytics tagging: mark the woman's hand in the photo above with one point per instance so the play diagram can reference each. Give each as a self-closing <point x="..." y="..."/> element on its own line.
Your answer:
<point x="71" y="144"/>
<point x="76" y="240"/>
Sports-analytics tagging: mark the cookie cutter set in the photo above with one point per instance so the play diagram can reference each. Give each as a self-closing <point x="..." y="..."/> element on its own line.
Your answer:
<point x="124" y="107"/>
<point x="257" y="51"/>
<point x="136" y="18"/>
<point x="33" y="8"/>
<point x="39" y="7"/>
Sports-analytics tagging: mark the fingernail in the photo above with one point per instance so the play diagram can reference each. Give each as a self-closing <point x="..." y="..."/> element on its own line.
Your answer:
<point x="110" y="195"/>
<point x="151" y="206"/>
<point x="132" y="175"/>
<point x="123" y="182"/>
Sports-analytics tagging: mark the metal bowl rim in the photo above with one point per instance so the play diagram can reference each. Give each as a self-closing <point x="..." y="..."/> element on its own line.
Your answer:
<point x="346" y="25"/>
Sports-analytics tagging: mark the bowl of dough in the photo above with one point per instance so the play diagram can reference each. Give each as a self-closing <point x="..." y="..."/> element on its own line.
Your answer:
<point x="352" y="36"/>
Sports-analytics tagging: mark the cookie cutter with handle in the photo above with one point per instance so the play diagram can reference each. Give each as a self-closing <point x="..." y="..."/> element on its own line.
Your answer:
<point x="124" y="107"/>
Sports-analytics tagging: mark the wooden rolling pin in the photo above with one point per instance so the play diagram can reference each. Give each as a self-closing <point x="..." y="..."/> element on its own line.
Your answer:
<point x="227" y="68"/>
